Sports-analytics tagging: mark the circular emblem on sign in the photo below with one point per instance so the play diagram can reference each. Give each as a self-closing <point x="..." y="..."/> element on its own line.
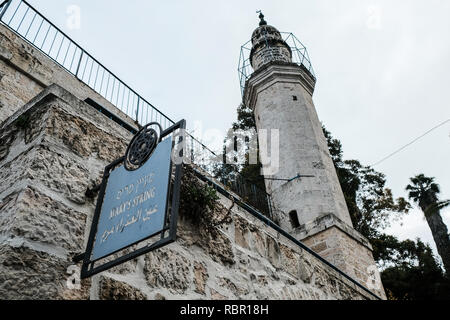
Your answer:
<point x="141" y="147"/>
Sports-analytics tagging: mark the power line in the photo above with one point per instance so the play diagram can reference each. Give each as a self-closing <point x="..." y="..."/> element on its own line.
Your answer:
<point x="407" y="145"/>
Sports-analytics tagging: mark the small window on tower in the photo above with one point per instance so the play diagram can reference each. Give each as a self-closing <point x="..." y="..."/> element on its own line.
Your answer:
<point x="294" y="219"/>
<point x="295" y="98"/>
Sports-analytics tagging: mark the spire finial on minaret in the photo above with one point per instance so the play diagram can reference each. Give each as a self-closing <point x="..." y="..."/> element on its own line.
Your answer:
<point x="261" y="16"/>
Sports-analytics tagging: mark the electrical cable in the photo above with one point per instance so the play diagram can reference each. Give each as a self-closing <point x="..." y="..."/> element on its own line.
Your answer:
<point x="412" y="142"/>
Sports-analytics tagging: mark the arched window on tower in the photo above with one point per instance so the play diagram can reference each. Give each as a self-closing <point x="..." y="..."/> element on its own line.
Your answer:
<point x="293" y="216"/>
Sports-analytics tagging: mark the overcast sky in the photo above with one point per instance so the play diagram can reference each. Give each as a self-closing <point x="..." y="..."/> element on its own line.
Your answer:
<point x="383" y="70"/>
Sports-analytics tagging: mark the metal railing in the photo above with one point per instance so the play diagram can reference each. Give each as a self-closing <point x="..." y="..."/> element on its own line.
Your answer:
<point x="26" y="21"/>
<point x="300" y="57"/>
<point x="214" y="165"/>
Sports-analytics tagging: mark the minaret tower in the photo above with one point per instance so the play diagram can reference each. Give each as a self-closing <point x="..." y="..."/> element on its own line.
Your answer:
<point x="313" y="208"/>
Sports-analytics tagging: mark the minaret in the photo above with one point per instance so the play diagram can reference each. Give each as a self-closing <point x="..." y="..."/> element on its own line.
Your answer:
<point x="312" y="209"/>
<point x="280" y="94"/>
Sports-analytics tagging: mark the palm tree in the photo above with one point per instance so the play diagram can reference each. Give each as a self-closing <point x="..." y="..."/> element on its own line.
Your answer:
<point x="425" y="192"/>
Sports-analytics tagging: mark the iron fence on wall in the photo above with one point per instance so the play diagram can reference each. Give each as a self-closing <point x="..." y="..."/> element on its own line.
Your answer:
<point x="26" y="21"/>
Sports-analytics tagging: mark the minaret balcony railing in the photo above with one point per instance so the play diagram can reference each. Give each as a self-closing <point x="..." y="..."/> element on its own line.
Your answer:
<point x="300" y="57"/>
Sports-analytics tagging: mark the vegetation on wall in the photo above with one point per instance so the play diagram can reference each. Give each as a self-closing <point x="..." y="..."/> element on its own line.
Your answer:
<point x="200" y="206"/>
<point x="199" y="202"/>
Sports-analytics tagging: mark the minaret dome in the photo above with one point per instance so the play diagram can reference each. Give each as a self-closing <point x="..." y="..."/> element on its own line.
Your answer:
<point x="268" y="45"/>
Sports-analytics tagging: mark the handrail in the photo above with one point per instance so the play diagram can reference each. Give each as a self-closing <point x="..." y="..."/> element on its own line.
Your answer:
<point x="85" y="59"/>
<point x="300" y="57"/>
<point x="3" y="8"/>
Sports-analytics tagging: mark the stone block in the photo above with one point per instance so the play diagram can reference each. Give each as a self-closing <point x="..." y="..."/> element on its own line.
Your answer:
<point x="319" y="247"/>
<point x="289" y="260"/>
<point x="110" y="289"/>
<point x="168" y="269"/>
<point x="273" y="252"/>
<point x="258" y="242"/>
<point x="125" y="268"/>
<point x="241" y="233"/>
<point x="200" y="277"/>
<point x="306" y="269"/>
<point x="28" y="274"/>
<point x="217" y="296"/>
<point x="36" y="217"/>
<point x="237" y="288"/>
<point x="83" y="137"/>
<point x="57" y="171"/>
<point x="16" y="89"/>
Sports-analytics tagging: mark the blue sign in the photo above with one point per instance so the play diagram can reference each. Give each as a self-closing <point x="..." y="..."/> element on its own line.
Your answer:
<point x="135" y="203"/>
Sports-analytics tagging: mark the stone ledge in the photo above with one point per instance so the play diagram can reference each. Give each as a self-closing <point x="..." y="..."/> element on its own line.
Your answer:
<point x="111" y="289"/>
<point x="28" y="274"/>
<point x="82" y="108"/>
<point x="326" y="222"/>
<point x="275" y="72"/>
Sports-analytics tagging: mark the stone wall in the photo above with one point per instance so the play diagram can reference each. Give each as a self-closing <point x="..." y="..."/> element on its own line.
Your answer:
<point x="350" y="256"/>
<point x="53" y="149"/>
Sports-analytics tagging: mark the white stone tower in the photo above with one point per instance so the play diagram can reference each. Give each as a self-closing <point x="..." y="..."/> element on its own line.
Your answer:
<point x="312" y="209"/>
<point x="280" y="94"/>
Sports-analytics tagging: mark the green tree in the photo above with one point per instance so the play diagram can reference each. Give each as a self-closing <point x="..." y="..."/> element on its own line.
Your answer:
<point x="414" y="273"/>
<point x="371" y="204"/>
<point x="250" y="172"/>
<point x="410" y="271"/>
<point x="245" y="119"/>
<point x="245" y="178"/>
<point x="424" y="191"/>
